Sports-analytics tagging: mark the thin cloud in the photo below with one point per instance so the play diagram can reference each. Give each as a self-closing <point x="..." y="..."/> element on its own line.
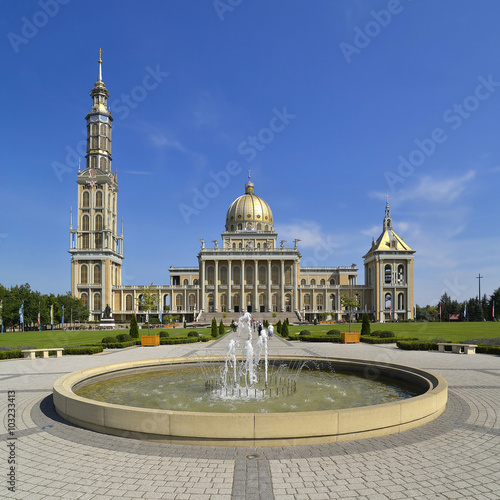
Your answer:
<point x="137" y="172"/>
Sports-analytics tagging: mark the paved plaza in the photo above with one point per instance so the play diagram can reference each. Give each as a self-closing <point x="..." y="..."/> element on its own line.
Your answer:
<point x="455" y="456"/>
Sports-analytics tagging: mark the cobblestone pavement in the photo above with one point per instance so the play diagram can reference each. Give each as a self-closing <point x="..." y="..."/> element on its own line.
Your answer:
<point x="455" y="456"/>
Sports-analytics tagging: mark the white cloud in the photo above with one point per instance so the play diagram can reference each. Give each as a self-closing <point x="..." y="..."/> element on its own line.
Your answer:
<point x="309" y="232"/>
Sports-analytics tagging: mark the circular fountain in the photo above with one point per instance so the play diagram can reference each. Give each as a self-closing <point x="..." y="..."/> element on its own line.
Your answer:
<point x="249" y="399"/>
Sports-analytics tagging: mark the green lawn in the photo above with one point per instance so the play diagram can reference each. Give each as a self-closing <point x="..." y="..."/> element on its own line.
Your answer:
<point x="58" y="338"/>
<point x="457" y="332"/>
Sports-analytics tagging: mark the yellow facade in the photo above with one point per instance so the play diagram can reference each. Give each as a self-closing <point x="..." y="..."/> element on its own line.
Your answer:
<point x="250" y="270"/>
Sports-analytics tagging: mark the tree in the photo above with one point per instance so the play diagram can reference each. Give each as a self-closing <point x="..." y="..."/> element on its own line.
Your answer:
<point x="284" y="329"/>
<point x="349" y="303"/>
<point x="495" y="304"/>
<point x="365" y="327"/>
<point x="214" y="327"/>
<point x="221" y="328"/>
<point x="148" y="301"/>
<point x="278" y="327"/>
<point x="134" y="329"/>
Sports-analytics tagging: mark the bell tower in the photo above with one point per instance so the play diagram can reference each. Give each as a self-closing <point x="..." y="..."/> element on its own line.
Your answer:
<point x="96" y="248"/>
<point x="389" y="275"/>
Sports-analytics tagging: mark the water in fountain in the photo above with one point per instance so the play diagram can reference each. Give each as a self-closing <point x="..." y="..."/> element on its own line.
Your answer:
<point x="248" y="375"/>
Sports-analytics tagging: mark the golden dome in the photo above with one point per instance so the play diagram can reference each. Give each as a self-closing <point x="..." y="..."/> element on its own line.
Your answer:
<point x="249" y="212"/>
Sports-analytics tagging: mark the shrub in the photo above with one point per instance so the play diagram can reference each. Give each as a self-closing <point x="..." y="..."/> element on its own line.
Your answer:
<point x="278" y="327"/>
<point x="134" y="329"/>
<point x="322" y="338"/>
<point x="193" y="334"/>
<point x="214" y="327"/>
<point x="284" y="329"/>
<point x="365" y="327"/>
<point x="222" y="331"/>
<point x="13" y="353"/>
<point x="417" y="346"/>
<point x="385" y="334"/>
<point x="265" y="323"/>
<point x="488" y="349"/>
<point x="333" y="332"/>
<point x="164" y="334"/>
<point x="109" y="340"/>
<point x="69" y="351"/>
<point x="315" y="321"/>
<point x="305" y="332"/>
<point x="123" y="337"/>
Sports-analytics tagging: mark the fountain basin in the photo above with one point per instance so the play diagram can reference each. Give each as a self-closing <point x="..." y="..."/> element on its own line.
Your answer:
<point x="253" y="429"/>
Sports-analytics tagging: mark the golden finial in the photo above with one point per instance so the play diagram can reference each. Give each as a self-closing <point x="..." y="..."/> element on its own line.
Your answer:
<point x="100" y="55"/>
<point x="249" y="172"/>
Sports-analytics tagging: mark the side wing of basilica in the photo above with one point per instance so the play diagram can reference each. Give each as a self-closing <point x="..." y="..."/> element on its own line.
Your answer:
<point x="247" y="271"/>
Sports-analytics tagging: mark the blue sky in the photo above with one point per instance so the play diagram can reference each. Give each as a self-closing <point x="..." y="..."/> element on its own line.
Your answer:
<point x="330" y="104"/>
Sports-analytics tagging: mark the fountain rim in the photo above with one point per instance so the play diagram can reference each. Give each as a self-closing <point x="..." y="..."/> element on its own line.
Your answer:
<point x="253" y="429"/>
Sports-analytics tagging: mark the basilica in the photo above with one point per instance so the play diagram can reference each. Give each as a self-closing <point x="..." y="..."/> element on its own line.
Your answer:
<point x="247" y="271"/>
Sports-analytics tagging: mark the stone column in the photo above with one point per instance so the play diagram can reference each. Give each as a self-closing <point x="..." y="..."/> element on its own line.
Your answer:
<point x="256" y="286"/>
<point x="243" y="299"/>
<point x="216" y="286"/>
<point x="295" y="286"/>
<point x="269" y="293"/>
<point x="202" y="287"/>
<point x="282" y="281"/>
<point x="229" y="293"/>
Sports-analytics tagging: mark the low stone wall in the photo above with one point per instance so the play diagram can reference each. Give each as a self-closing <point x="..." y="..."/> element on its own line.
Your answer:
<point x="253" y="429"/>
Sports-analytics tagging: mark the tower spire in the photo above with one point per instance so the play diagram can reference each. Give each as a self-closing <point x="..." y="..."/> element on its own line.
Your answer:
<point x="387" y="217"/>
<point x="99" y="75"/>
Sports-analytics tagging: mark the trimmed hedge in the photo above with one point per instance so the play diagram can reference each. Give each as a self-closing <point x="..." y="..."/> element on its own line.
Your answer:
<point x="70" y="351"/>
<point x="13" y="353"/>
<point x="417" y="346"/>
<point x="381" y="340"/>
<point x="333" y="332"/>
<point x="164" y="334"/>
<point x="322" y="338"/>
<point x="124" y="337"/>
<point x="109" y="340"/>
<point x="382" y="334"/>
<point x="305" y="332"/>
<point x="193" y="334"/>
<point x="121" y="345"/>
<point x="488" y="349"/>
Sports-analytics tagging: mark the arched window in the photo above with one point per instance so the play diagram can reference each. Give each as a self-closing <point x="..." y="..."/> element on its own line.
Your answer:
<point x="388" y="273"/>
<point x="332" y="281"/>
<point x="102" y="163"/>
<point x="274" y="301"/>
<point x="288" y="275"/>
<point x="85" y="241"/>
<point x="128" y="302"/>
<point x="98" y="240"/>
<point x="388" y="301"/>
<point x="262" y="302"/>
<point x="333" y="302"/>
<point x="249" y="301"/>
<point x="178" y="302"/>
<point x="192" y="301"/>
<point x="223" y="302"/>
<point x="210" y="275"/>
<point x="232" y="228"/>
<point x="236" y="302"/>
<point x="211" y="302"/>
<point x="97" y="301"/>
<point x="98" y="198"/>
<point x="249" y="275"/>
<point x="93" y="161"/>
<point x="275" y="275"/>
<point x="370" y="276"/>
<point x="302" y="281"/>
<point x="98" y="222"/>
<point x="307" y="302"/>
<point x="185" y="282"/>
<point x="313" y="282"/>
<point x="223" y="275"/>
<point x="240" y="245"/>
<point x="195" y="282"/>
<point x="94" y="143"/>
<point x="259" y="226"/>
<point x="322" y="282"/>
<point x="262" y="275"/>
<point x="401" y="302"/>
<point x="240" y="226"/>
<point x="85" y="223"/>
<point x="86" y="199"/>
<point x="234" y="246"/>
<point x="236" y="275"/>
<point x="94" y="130"/>
<point x="97" y="274"/>
<point x="288" y="303"/>
<point x="401" y="274"/>
<point x="319" y="302"/>
<point x="85" y="300"/>
<point x="84" y="274"/>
